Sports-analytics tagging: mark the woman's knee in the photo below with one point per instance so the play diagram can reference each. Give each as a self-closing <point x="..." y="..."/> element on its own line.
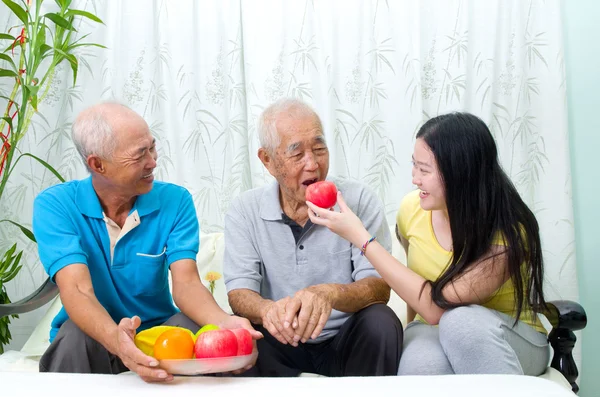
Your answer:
<point x="423" y="354"/>
<point x="471" y="323"/>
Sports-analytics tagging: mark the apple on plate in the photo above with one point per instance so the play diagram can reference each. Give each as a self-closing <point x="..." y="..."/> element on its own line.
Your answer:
<point x="322" y="194"/>
<point x="216" y="343"/>
<point x="244" y="341"/>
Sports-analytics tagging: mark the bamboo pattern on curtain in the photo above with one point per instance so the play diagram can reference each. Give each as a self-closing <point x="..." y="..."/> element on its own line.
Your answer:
<point x="201" y="72"/>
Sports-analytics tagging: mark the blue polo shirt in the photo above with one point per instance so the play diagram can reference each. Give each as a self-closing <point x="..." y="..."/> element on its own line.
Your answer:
<point x="69" y="226"/>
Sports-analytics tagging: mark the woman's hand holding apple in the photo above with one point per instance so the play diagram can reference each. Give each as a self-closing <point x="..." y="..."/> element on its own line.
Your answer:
<point x="344" y="223"/>
<point x="323" y="194"/>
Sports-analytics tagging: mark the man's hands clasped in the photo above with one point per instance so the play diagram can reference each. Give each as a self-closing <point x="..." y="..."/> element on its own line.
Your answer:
<point x="301" y="317"/>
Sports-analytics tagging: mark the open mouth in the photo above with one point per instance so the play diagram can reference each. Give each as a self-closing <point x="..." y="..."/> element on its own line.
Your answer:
<point x="423" y="194"/>
<point x="310" y="181"/>
<point x="147" y="176"/>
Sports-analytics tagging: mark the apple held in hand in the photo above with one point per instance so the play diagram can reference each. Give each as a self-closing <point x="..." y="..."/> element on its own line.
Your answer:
<point x="216" y="343"/>
<point x="322" y="194"/>
<point x="244" y="341"/>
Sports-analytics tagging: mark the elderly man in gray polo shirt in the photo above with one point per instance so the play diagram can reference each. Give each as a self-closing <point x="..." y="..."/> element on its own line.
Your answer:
<point x="319" y="303"/>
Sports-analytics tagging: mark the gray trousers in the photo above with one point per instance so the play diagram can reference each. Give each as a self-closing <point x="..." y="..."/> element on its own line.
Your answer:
<point x="72" y="351"/>
<point x="473" y="340"/>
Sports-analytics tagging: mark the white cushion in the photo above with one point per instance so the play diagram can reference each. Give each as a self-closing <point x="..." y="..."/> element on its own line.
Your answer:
<point x="18" y="362"/>
<point x="396" y="303"/>
<point x="556" y="377"/>
<point x="39" y="341"/>
<point x="210" y="259"/>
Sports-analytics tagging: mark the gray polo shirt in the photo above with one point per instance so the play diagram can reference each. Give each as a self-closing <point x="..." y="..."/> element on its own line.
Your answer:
<point x="262" y="255"/>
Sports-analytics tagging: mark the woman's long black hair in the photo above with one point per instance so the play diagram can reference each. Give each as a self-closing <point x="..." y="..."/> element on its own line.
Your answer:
<point x="482" y="203"/>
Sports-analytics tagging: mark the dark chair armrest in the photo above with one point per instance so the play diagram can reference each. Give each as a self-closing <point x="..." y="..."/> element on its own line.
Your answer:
<point x="39" y="298"/>
<point x="565" y="317"/>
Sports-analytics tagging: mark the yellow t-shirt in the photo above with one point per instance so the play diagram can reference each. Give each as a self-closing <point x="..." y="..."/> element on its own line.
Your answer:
<point x="427" y="258"/>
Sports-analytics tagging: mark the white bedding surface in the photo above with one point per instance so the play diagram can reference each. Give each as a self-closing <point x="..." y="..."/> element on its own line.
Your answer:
<point x="64" y="385"/>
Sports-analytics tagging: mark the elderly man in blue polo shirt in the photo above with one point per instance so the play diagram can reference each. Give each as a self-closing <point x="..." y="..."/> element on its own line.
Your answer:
<point x="319" y="303"/>
<point x="108" y="242"/>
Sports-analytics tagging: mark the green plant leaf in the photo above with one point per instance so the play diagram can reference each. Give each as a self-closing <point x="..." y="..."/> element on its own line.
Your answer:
<point x="7" y="119"/>
<point x="8" y="73"/>
<point x="72" y="60"/>
<point x="11" y="266"/>
<point x="85" y="45"/>
<point x="5" y="36"/>
<point x="45" y="164"/>
<point x="41" y="36"/>
<point x="4" y="265"/>
<point x="10" y="47"/>
<point x="59" y="21"/>
<point x="10" y="124"/>
<point x="31" y="90"/>
<point x="7" y="259"/>
<point x="9" y="60"/>
<point x="17" y="10"/>
<point x="44" y="48"/>
<point x="86" y="14"/>
<point x="74" y="66"/>
<point x="13" y="274"/>
<point x="25" y="230"/>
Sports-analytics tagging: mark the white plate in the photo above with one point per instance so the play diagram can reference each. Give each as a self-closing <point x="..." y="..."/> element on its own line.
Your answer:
<point x="198" y="366"/>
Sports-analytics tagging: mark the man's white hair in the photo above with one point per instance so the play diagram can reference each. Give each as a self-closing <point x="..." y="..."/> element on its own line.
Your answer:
<point x="267" y="122"/>
<point x="92" y="133"/>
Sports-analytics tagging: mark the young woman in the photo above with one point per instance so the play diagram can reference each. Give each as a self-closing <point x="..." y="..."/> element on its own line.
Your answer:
<point x="475" y="270"/>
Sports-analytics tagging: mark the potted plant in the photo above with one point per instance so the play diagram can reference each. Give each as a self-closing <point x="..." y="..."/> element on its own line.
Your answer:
<point x="29" y="55"/>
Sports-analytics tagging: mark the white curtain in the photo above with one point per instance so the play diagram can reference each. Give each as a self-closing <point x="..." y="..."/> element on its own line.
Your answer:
<point x="200" y="72"/>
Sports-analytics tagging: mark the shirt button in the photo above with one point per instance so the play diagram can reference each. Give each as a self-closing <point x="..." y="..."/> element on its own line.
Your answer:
<point x="301" y="247"/>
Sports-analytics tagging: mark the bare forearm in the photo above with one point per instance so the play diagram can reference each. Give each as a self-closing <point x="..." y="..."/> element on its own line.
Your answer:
<point x="407" y="284"/>
<point x="196" y="302"/>
<point x="353" y="297"/>
<point x="247" y="303"/>
<point x="91" y="317"/>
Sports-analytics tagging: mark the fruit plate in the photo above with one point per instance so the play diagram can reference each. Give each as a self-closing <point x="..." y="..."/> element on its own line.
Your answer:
<point x="199" y="366"/>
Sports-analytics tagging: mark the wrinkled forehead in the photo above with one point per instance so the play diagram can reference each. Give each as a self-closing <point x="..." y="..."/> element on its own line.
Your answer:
<point x="299" y="131"/>
<point x="296" y="145"/>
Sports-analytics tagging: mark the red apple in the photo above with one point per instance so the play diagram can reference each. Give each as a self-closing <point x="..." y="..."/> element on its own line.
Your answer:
<point x="244" y="340"/>
<point x="217" y="343"/>
<point x="322" y="194"/>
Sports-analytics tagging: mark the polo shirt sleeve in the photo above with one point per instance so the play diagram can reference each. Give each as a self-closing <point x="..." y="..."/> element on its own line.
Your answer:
<point x="184" y="239"/>
<point x="241" y="260"/>
<point x="370" y="211"/>
<point x="58" y="240"/>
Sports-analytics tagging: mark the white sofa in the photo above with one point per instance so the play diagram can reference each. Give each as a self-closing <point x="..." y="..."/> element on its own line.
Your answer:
<point x="210" y="258"/>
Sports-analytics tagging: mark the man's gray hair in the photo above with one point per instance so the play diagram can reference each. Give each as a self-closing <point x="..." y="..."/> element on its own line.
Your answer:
<point x="267" y="122"/>
<point x="92" y="133"/>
